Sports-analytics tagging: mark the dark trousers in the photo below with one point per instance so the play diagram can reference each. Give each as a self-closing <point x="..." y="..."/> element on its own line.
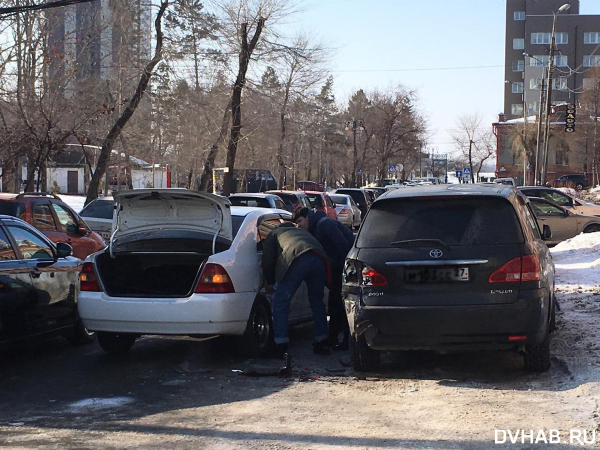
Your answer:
<point x="338" y="322"/>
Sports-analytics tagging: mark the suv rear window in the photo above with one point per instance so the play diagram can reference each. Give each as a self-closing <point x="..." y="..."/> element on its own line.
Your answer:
<point x="357" y="196"/>
<point x="99" y="209"/>
<point x="455" y="221"/>
<point x="12" y="209"/>
<point x="250" y="201"/>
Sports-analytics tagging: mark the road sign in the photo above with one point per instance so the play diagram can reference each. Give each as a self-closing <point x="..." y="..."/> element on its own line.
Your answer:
<point x="459" y="174"/>
<point x="391" y="168"/>
<point x="467" y="171"/>
<point x="399" y="167"/>
<point x="570" y="118"/>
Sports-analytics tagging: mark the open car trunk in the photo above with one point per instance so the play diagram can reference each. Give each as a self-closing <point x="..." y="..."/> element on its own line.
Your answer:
<point x="153" y="275"/>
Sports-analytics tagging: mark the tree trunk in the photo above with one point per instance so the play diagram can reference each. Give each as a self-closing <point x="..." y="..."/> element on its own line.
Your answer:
<point x="113" y="134"/>
<point x="236" y="99"/>
<point x="212" y="155"/>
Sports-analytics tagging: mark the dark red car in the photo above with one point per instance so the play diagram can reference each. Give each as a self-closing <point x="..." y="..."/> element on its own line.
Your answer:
<point x="49" y="214"/>
<point x="322" y="202"/>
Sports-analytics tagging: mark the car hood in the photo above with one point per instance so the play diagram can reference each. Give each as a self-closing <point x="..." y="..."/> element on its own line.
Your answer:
<point x="141" y="210"/>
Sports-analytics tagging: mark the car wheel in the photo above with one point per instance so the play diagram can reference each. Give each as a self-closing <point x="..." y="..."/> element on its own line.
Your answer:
<point x="537" y="356"/>
<point x="258" y="339"/>
<point x="81" y="335"/>
<point x="363" y="357"/>
<point x="579" y="186"/>
<point x="116" y="343"/>
<point x="594" y="228"/>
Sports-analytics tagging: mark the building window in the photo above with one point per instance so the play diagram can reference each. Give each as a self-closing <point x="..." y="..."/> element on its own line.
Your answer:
<point x="560" y="84"/>
<point x="540" y="38"/>
<point x="561" y="38"/>
<point x="517" y="87"/>
<point x="591" y="60"/>
<point x="562" y="154"/>
<point x="561" y="61"/>
<point x="591" y="38"/>
<point x="519" y="15"/>
<point x="535" y="83"/>
<point x="516" y="109"/>
<point x="591" y="83"/>
<point x="518" y="66"/>
<point x="518" y="44"/>
<point x="539" y="61"/>
<point x="532" y="108"/>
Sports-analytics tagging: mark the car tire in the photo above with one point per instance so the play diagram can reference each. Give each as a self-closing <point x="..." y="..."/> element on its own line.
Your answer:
<point x="258" y="340"/>
<point x="537" y="356"/>
<point x="116" y="343"/>
<point x="81" y="335"/>
<point x="594" y="228"/>
<point x="579" y="186"/>
<point x="363" y="357"/>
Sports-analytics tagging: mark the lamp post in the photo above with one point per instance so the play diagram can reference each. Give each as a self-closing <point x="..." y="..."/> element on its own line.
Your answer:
<point x="539" y="124"/>
<point x="563" y="8"/>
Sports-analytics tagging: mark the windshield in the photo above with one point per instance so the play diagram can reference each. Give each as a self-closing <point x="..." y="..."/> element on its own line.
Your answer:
<point x="99" y="209"/>
<point x="462" y="222"/>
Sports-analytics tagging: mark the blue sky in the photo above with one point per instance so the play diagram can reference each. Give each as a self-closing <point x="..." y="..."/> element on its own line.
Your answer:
<point x="379" y="43"/>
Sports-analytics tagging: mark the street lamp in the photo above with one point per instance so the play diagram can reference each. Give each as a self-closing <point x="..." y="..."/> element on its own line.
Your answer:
<point x="563" y="8"/>
<point x="540" y="112"/>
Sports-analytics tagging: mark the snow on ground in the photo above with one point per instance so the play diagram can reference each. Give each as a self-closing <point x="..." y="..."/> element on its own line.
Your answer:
<point x="577" y="262"/>
<point x="100" y="403"/>
<point x="76" y="202"/>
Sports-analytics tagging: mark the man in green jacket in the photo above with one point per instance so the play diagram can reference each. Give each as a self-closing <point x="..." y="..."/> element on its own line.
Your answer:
<point x="290" y="256"/>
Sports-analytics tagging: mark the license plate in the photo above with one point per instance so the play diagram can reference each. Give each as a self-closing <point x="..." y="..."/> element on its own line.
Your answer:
<point x="439" y="275"/>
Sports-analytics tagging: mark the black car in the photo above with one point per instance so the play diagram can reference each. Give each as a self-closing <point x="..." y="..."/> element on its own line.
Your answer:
<point x="459" y="267"/>
<point x="578" y="181"/>
<point x="360" y="197"/>
<point x="38" y="285"/>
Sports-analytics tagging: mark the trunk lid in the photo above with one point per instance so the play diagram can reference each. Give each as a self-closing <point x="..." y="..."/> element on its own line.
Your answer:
<point x="148" y="211"/>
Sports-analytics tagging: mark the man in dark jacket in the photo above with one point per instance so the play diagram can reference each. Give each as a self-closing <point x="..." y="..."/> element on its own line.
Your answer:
<point x="337" y="240"/>
<point x="292" y="255"/>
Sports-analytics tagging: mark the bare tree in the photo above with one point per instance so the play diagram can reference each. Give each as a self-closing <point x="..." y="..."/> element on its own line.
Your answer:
<point x="475" y="142"/>
<point x="113" y="134"/>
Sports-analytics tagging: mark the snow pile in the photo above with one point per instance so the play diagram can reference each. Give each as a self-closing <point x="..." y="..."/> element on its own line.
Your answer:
<point x="577" y="262"/>
<point x="100" y="403"/>
<point x="593" y="195"/>
<point x="571" y="192"/>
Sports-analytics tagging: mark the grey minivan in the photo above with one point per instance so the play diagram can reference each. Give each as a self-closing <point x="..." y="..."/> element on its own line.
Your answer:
<point x="450" y="267"/>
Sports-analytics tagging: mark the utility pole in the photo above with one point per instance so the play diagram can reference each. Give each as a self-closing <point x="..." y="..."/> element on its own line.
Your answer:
<point x="471" y="161"/>
<point x="539" y="134"/>
<point x="548" y="109"/>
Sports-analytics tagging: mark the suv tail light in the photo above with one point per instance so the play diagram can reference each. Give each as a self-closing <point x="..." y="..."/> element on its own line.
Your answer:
<point x="358" y="273"/>
<point x="214" y="279"/>
<point x="344" y="211"/>
<point x="524" y="268"/>
<point x="89" y="281"/>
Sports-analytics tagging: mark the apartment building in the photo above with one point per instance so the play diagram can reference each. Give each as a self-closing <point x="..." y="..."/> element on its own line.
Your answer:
<point x="528" y="31"/>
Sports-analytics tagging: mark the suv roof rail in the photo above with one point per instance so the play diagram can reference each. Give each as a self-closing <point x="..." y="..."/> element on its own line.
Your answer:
<point x="38" y="194"/>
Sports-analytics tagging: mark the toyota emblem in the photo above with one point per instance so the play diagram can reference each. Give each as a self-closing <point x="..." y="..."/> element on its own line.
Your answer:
<point x="436" y="253"/>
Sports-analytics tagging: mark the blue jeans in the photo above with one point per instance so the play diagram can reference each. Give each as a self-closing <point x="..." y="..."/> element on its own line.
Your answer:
<point x="310" y="268"/>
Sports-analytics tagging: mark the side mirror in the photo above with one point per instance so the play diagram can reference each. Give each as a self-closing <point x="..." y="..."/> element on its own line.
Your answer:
<point x="63" y="250"/>
<point x="546" y="233"/>
<point x="82" y="229"/>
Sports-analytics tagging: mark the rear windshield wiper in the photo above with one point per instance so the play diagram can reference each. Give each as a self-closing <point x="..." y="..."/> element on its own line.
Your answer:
<point x="419" y="243"/>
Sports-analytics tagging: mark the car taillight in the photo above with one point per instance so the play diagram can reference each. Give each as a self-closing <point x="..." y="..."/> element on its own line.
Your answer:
<point x="371" y="277"/>
<point x="89" y="281"/>
<point x="344" y="211"/>
<point x="214" y="280"/>
<point x="525" y="268"/>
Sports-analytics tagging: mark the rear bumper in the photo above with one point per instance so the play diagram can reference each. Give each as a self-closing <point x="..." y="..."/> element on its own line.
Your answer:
<point x="346" y="219"/>
<point x="198" y="314"/>
<point x="471" y="327"/>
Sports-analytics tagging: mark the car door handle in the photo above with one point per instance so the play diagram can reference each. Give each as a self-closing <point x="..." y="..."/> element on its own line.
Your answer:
<point x="35" y="273"/>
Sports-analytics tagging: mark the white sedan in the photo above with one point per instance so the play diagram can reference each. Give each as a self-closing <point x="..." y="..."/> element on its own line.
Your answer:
<point x="182" y="263"/>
